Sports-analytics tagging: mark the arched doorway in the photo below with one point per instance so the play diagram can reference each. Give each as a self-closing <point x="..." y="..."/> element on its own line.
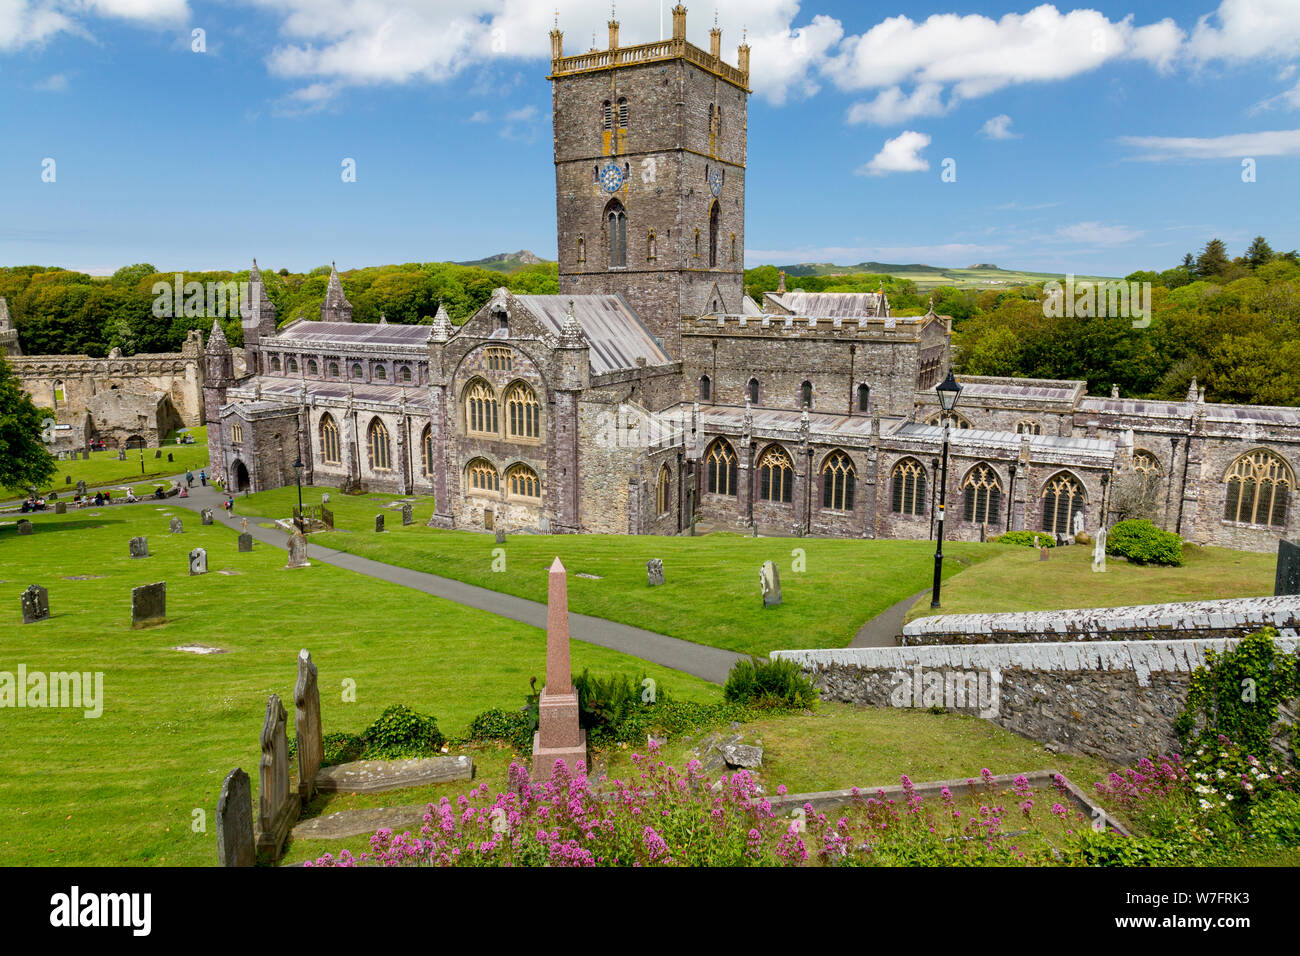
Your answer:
<point x="240" y="475"/>
<point x="134" y="442"/>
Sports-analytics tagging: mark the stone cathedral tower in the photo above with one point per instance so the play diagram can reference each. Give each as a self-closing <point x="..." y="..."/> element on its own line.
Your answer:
<point x="650" y="175"/>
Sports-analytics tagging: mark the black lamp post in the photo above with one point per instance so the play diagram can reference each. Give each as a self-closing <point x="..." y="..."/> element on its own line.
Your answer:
<point x="948" y="391"/>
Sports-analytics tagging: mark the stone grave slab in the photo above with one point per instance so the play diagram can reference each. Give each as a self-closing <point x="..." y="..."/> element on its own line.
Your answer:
<point x="36" y="604"/>
<point x="654" y="569"/>
<point x="24" y="526"/>
<point x="770" y="584"/>
<point x="378" y="776"/>
<point x="245" y="542"/>
<point x="139" y="547"/>
<point x="199" y="561"/>
<point x="349" y="823"/>
<point x="149" y="605"/>
<point x="235" y="821"/>
<point x="307" y="726"/>
<point x="175" y="527"/>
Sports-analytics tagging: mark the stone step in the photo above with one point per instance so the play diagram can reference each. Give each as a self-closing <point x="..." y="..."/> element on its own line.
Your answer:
<point x="349" y="823"/>
<point x="378" y="776"/>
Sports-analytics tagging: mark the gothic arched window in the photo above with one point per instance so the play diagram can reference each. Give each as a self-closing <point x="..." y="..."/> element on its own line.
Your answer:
<point x="983" y="495"/>
<point x="622" y="112"/>
<point x="721" y="468"/>
<point x="663" y="491"/>
<point x="482" y="476"/>
<point x="1062" y="500"/>
<point x="312" y="367"/>
<point x="334" y="369"/>
<point x="706" y="389"/>
<point x="381" y="457"/>
<point x="805" y="395"/>
<point x="1258" y="486"/>
<point x="426" y="450"/>
<point x="481" y="409"/>
<point x="713" y="234"/>
<point x="864" y="398"/>
<point x="523" y="413"/>
<point x="522" y="482"/>
<point x="293" y="366"/>
<point x="1147" y="467"/>
<point x="909" y="487"/>
<point x="838" y="479"/>
<point x="776" y="476"/>
<point x="329" y="440"/>
<point x="1027" y="426"/>
<point x="753" y="391"/>
<point x="616" y="234"/>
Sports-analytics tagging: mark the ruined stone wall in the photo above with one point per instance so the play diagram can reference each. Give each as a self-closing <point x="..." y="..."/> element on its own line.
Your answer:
<point x="1115" y="700"/>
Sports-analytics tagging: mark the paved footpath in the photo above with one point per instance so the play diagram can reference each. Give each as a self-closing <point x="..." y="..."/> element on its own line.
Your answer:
<point x="709" y="663"/>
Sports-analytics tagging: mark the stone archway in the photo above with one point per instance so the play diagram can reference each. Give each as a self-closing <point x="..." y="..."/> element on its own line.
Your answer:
<point x="239" y="476"/>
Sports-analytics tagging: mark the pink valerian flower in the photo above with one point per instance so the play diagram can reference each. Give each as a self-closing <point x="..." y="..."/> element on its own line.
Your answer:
<point x="987" y="776"/>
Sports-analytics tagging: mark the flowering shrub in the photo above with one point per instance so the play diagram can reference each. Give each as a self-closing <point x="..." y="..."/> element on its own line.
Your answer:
<point x="1227" y="778"/>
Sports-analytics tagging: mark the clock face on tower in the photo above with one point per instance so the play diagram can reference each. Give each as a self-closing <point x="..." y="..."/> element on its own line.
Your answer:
<point x="715" y="181"/>
<point x="611" y="177"/>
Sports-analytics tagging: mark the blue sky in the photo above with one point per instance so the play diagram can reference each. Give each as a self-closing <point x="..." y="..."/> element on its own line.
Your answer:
<point x="1098" y="139"/>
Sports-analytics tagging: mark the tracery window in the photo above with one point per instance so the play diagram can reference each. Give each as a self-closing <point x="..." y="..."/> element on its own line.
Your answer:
<point x="776" y="476"/>
<point x="663" y="491"/>
<point x="1062" y="500"/>
<point x="908" y="487"/>
<point x="720" y="467"/>
<point x="522" y="482"/>
<point x="381" y="457"/>
<point x="983" y="496"/>
<point x="481" y="409"/>
<point x="482" y="476"/>
<point x="1258" y="486"/>
<point x="838" y="480"/>
<point x="329" y="440"/>
<point x="523" y="413"/>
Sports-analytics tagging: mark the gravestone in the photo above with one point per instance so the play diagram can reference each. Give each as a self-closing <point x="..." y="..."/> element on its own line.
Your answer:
<point x="770" y="583"/>
<point x="139" y="547"/>
<point x="243" y="524"/>
<point x="1099" y="551"/>
<point x="235" y="821"/>
<point x="205" y="516"/>
<point x="276" y="811"/>
<point x="157" y="453"/>
<point x="654" y="569"/>
<point x="245" y="542"/>
<point x="1288" y="568"/>
<point x="1077" y="524"/>
<point x="53" y="496"/>
<point x="487" y="519"/>
<point x="307" y="726"/>
<point x="67" y="479"/>
<point x="1044" y="553"/>
<point x="408" y="515"/>
<point x="325" y="498"/>
<point x="149" y="605"/>
<point x="121" y="454"/>
<point x="61" y="508"/>
<point x="558" y="736"/>
<point x="379" y="522"/>
<point x="199" y="561"/>
<point x="24" y="526"/>
<point x="175" y="527"/>
<point x="85" y="454"/>
<point x="169" y="456"/>
<point x="81" y="487"/>
<point x="501" y="536"/>
<point x="36" y="604"/>
<point x="298" y="551"/>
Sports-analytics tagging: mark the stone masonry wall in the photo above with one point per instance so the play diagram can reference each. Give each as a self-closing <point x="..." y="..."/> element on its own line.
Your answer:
<point x="1115" y="700"/>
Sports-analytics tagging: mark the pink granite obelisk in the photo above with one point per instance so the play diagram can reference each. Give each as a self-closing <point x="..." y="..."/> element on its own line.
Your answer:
<point x="559" y="737"/>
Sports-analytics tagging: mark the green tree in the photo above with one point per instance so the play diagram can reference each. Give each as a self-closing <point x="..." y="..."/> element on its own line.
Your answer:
<point x="24" y="459"/>
<point x="1213" y="260"/>
<point x="1259" y="253"/>
<point x="130" y="276"/>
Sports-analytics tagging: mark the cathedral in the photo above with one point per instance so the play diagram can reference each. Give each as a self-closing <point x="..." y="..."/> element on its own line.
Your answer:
<point x="652" y="396"/>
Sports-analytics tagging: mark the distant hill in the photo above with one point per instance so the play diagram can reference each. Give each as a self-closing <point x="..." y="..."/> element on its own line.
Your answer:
<point x="505" y="261"/>
<point x="983" y="275"/>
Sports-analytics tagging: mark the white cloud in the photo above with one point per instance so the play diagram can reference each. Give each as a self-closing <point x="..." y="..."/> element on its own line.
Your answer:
<point x="902" y="154"/>
<point x="999" y="127"/>
<point x="26" y="23"/>
<point x="973" y="56"/>
<point x="1281" y="142"/>
<point x="1287" y="99"/>
<point x="893" y="106"/>
<point x="1096" y="234"/>
<point x="58" y="83"/>
<point x="1247" y="29"/>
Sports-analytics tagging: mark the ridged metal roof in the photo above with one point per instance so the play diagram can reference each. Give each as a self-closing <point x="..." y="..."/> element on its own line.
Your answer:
<point x="341" y="334"/>
<point x="845" y="305"/>
<point x="616" y="335"/>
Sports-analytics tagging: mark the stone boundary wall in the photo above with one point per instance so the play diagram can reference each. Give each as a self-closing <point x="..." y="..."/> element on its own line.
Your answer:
<point x="1115" y="700"/>
<point x="1192" y="620"/>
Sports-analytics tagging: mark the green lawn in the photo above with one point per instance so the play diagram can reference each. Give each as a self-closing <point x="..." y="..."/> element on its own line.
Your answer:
<point x="1017" y="580"/>
<point x="121" y="789"/>
<point x="103" y="468"/>
<point x="711" y="593"/>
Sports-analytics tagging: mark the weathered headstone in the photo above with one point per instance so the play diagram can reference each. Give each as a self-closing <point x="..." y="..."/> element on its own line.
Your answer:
<point x="81" y="487"/>
<point x="139" y="547"/>
<point x="24" y="526"/>
<point x="298" y="551"/>
<point x="770" y="583"/>
<point x="1288" y="568"/>
<point x="325" y="498"/>
<point x="245" y="542"/>
<point x="243" y="524"/>
<point x="169" y="457"/>
<point x="175" y="527"/>
<point x="307" y="726"/>
<point x="558" y="736"/>
<point x="121" y="454"/>
<point x="205" y="516"/>
<point x="61" y="508"/>
<point x="67" y="479"/>
<point x="654" y="569"/>
<point x="235" y="821"/>
<point x="1099" y="551"/>
<point x="36" y="604"/>
<point x="149" y="605"/>
<point x="1044" y="553"/>
<point x="85" y="454"/>
<point x="408" y="515"/>
<point x="157" y="453"/>
<point x="500" y="536"/>
<point x="199" y="561"/>
<point x="53" y="496"/>
<point x="1076" y="524"/>
<point x="276" y="810"/>
<point x="379" y="522"/>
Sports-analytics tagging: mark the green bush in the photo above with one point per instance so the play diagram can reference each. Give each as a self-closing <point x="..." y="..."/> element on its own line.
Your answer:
<point x="397" y="733"/>
<point x="1028" y="539"/>
<point x="515" y="727"/>
<point x="606" y="704"/>
<point x="1276" y="821"/>
<point x="765" y="682"/>
<point x="1143" y="543"/>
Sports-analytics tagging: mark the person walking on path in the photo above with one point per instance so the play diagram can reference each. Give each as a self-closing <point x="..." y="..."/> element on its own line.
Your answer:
<point x="230" y="503"/>
<point x="189" y="479"/>
<point x="203" y="477"/>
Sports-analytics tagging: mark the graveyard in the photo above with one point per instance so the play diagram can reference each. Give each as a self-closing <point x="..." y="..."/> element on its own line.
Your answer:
<point x="111" y="467"/>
